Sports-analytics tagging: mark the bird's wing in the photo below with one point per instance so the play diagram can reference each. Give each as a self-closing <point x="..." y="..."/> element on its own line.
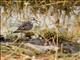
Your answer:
<point x="26" y="26"/>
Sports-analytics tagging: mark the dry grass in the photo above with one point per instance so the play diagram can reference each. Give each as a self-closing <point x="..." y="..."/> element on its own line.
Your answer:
<point x="13" y="52"/>
<point x="20" y="52"/>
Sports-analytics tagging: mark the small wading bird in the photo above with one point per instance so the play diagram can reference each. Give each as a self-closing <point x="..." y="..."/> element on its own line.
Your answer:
<point x="27" y="27"/>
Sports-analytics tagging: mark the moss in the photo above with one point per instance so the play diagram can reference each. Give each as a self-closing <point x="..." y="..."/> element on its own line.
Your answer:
<point x="29" y="34"/>
<point x="49" y="34"/>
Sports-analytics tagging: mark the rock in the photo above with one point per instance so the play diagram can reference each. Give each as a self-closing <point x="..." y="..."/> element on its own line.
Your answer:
<point x="2" y="39"/>
<point x="36" y="41"/>
<point x="41" y="48"/>
<point x="70" y="47"/>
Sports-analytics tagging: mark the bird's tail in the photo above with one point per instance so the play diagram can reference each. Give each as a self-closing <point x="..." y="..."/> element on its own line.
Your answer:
<point x="17" y="31"/>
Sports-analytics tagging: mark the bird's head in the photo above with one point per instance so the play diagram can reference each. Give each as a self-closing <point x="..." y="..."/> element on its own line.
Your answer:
<point x="33" y="20"/>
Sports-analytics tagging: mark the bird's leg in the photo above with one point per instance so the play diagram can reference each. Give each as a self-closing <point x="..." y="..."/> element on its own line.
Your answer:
<point x="53" y="40"/>
<point x="61" y="48"/>
<point x="21" y="37"/>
